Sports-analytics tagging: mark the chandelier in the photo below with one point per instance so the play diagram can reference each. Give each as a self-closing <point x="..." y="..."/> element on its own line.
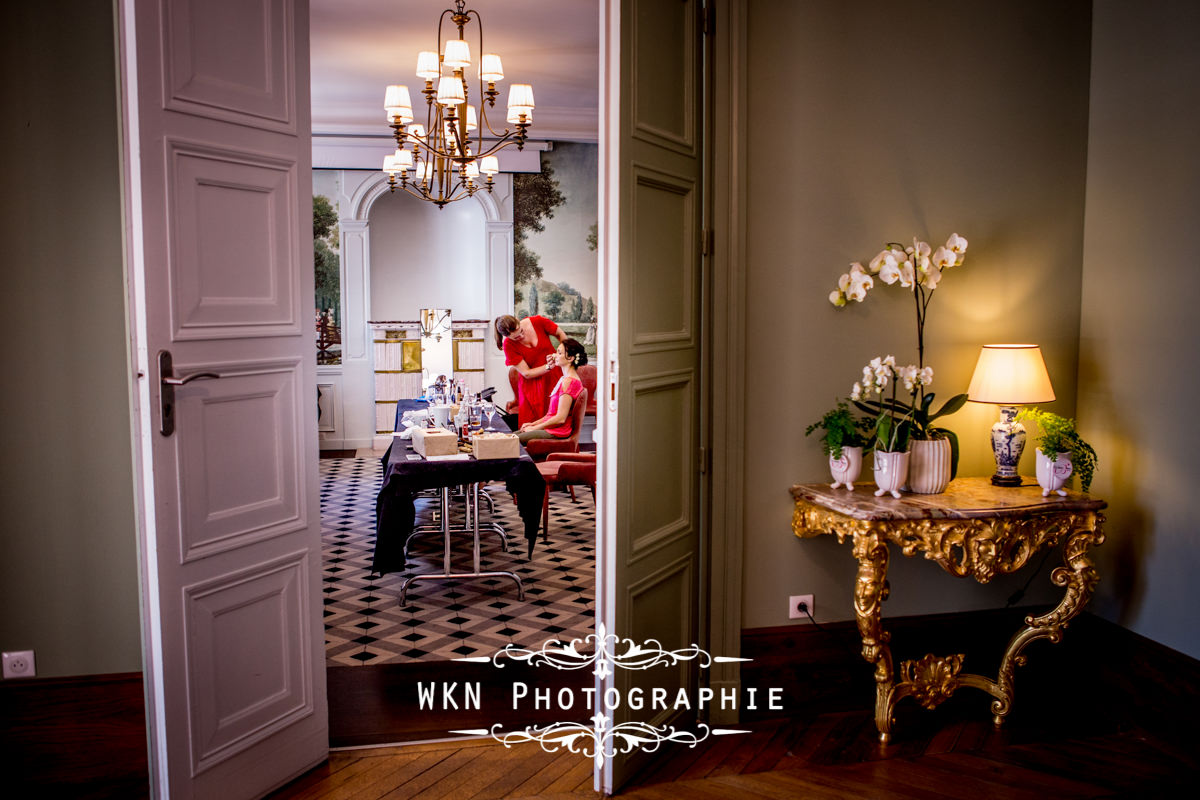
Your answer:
<point x="445" y="159"/>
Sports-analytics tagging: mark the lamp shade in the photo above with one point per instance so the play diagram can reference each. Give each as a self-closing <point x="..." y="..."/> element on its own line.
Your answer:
<point x="450" y="91"/>
<point x="520" y="94"/>
<point x="429" y="66"/>
<point x="398" y="104"/>
<point x="457" y="54"/>
<point x="1010" y="375"/>
<point x="490" y="68"/>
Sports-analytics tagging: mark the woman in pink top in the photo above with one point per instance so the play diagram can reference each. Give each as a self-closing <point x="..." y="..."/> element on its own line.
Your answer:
<point x="556" y="424"/>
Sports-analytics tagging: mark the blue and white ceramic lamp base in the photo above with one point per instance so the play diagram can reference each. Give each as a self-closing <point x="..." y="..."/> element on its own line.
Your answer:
<point x="1008" y="442"/>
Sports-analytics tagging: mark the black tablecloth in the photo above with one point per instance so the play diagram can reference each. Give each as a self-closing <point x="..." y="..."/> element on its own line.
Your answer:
<point x="395" y="510"/>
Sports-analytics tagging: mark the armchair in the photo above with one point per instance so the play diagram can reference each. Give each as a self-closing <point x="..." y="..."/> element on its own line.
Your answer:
<point x="566" y="470"/>
<point x="587" y="374"/>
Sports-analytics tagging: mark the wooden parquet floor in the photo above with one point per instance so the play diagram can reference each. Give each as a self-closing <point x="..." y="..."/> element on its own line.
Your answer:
<point x="953" y="752"/>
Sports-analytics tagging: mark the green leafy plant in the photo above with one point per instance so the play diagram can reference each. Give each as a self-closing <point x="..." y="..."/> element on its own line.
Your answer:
<point x="1056" y="435"/>
<point x="842" y="429"/>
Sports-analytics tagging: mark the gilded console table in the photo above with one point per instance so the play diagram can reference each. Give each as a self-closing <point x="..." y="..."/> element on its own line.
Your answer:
<point x="974" y="530"/>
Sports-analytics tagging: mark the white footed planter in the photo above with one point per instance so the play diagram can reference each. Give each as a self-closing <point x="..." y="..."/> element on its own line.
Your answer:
<point x="929" y="466"/>
<point x="891" y="470"/>
<point x="1053" y="475"/>
<point x="845" y="470"/>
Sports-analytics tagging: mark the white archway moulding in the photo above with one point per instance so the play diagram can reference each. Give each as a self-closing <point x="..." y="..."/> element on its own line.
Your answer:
<point x="376" y="186"/>
<point x="358" y="355"/>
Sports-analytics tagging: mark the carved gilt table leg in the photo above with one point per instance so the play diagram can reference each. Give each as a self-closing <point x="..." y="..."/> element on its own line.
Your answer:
<point x="870" y="590"/>
<point x="1079" y="576"/>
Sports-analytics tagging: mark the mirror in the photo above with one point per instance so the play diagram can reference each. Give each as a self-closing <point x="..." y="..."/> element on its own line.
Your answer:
<point x="437" y="345"/>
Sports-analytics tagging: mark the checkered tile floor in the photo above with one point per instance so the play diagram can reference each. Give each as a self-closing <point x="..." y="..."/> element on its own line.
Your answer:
<point x="364" y="623"/>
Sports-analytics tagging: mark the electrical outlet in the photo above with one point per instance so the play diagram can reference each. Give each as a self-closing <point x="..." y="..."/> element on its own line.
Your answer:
<point x="19" y="664"/>
<point x="794" y="603"/>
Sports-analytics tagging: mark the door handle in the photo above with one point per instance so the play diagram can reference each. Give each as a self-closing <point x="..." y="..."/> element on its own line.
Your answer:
<point x="189" y="378"/>
<point x="166" y="394"/>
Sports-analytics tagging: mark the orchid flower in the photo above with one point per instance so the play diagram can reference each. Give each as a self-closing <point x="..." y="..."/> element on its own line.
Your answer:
<point x="944" y="257"/>
<point x="860" y="282"/>
<point x="956" y="244"/>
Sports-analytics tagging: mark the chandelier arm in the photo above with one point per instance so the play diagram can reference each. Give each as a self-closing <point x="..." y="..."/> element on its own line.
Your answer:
<point x="441" y="19"/>
<point x="502" y="134"/>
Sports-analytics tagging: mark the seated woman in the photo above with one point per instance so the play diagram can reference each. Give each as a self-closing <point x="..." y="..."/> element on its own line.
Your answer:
<point x="556" y="424"/>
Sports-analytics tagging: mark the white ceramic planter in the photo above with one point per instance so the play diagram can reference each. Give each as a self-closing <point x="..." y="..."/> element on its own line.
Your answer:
<point x="1053" y="475"/>
<point x="891" y="470"/>
<point x="845" y="470"/>
<point x="928" y="466"/>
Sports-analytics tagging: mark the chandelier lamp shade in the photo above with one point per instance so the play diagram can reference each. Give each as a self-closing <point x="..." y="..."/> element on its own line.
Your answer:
<point x="452" y="155"/>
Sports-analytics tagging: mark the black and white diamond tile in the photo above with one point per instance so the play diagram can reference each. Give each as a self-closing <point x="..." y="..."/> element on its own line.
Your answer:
<point x="364" y="623"/>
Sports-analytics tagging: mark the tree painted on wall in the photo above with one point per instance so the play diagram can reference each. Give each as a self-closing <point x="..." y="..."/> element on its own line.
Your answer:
<point x="535" y="196"/>
<point x="553" y="302"/>
<point x="533" y="299"/>
<point x="326" y="265"/>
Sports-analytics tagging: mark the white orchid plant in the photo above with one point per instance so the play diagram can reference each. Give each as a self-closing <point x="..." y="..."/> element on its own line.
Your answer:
<point x="918" y="268"/>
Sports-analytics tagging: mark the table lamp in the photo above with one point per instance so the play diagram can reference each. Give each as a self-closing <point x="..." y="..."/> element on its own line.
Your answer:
<point x="1009" y="375"/>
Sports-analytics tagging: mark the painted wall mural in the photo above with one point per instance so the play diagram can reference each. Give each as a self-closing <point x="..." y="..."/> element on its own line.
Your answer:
<point x="554" y="240"/>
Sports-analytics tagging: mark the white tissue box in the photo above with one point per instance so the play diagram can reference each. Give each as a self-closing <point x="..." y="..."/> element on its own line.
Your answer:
<point x="495" y="445"/>
<point x="434" y="441"/>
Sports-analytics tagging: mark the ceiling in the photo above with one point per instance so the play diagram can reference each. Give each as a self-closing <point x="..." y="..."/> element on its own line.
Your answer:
<point x="361" y="46"/>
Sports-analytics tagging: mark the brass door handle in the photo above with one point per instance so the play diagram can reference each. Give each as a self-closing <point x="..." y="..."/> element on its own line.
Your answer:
<point x="166" y="395"/>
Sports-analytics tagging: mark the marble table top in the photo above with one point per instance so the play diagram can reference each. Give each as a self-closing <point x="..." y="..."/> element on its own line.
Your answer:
<point x="964" y="498"/>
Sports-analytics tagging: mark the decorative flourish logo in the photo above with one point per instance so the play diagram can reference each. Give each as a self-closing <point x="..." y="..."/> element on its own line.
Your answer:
<point x="604" y="652"/>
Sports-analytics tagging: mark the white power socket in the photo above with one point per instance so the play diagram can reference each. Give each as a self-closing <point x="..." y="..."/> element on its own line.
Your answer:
<point x="794" y="603"/>
<point x="19" y="664"/>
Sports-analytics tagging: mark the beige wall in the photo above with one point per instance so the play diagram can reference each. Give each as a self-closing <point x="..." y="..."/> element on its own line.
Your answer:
<point x="1138" y="381"/>
<point x="877" y="121"/>
<point x="68" y="564"/>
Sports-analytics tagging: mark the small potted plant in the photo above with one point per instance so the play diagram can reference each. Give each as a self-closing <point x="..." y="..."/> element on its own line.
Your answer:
<point x="1060" y="451"/>
<point x="842" y="443"/>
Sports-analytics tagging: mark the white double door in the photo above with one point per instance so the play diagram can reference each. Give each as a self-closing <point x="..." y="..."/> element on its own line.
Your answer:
<point x="218" y="179"/>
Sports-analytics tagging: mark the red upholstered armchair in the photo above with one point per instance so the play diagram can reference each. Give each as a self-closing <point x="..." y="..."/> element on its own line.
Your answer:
<point x="587" y="374"/>
<point x="512" y="405"/>
<point x="538" y="449"/>
<point x="566" y="470"/>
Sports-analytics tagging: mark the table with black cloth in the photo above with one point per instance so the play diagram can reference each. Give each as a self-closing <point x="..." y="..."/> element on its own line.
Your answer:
<point x="403" y="479"/>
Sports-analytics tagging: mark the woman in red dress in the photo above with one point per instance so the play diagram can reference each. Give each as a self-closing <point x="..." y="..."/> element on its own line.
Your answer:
<point x="527" y="346"/>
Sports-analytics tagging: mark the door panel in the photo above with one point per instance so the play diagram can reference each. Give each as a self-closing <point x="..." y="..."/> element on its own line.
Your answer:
<point x="242" y="283"/>
<point x="649" y="516"/>
<point x="664" y="236"/>
<point x="218" y="166"/>
<point x="244" y="694"/>
<point x="659" y="464"/>
<point x="233" y="60"/>
<point x="241" y="441"/>
<point x="664" y="42"/>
